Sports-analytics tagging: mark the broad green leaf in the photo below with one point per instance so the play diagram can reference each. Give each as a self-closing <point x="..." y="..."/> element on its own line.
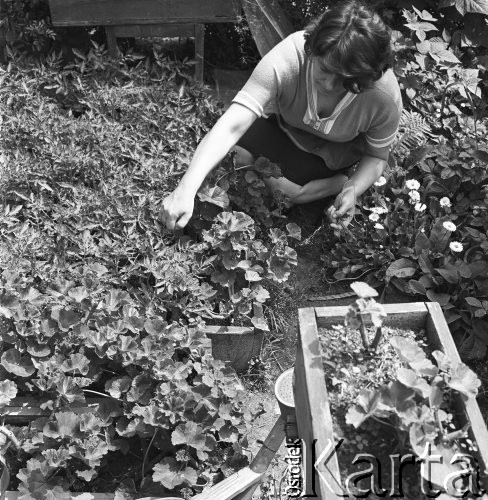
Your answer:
<point x="410" y="379"/>
<point x="17" y="364"/>
<point x="401" y="268"/>
<point x="171" y="474"/>
<point x="77" y="363"/>
<point x="473" y="301"/>
<point x="118" y="386"/>
<point x="363" y="290"/>
<point x="189" y="434"/>
<point x="8" y="391"/>
<point x="366" y="404"/>
<point x="215" y="195"/>
<point x="464" y="380"/>
<point x="294" y="231"/>
<point x="67" y="424"/>
<point x="66" y="318"/>
<point x="441" y="298"/>
<point x="439" y="236"/>
<point x="477" y="6"/>
<point x="409" y="352"/>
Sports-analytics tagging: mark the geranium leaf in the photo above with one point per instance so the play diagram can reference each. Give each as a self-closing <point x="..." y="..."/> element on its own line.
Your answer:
<point x="17" y="364"/>
<point x="294" y="231"/>
<point x="215" y="195"/>
<point x="410" y="379"/>
<point x="464" y="380"/>
<point x="171" y="474"/>
<point x="8" y="391"/>
<point x="190" y="434"/>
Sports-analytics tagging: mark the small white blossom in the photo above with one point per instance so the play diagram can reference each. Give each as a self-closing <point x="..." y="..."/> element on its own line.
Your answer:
<point x="374" y="217"/>
<point x="456" y="246"/>
<point x="414" y="196"/>
<point x="379" y="226"/>
<point x="381" y="181"/>
<point x="379" y="210"/>
<point x="412" y="184"/>
<point x="420" y="207"/>
<point x="445" y="202"/>
<point x="450" y="226"/>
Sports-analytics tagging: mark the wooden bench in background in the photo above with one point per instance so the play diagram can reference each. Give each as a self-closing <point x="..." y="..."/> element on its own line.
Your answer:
<point x="147" y="18"/>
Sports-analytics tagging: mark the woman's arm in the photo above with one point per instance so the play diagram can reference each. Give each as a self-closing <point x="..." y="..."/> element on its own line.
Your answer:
<point x="367" y="172"/>
<point x="177" y="207"/>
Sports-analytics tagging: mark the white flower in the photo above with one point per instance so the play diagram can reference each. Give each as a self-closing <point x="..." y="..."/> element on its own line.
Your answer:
<point x="420" y="207"/>
<point x="412" y="184"/>
<point x="379" y="210"/>
<point x="455" y="246"/>
<point x="379" y="226"/>
<point x="450" y="226"/>
<point x="445" y="202"/>
<point x="414" y="196"/>
<point x="381" y="181"/>
<point x="374" y="217"/>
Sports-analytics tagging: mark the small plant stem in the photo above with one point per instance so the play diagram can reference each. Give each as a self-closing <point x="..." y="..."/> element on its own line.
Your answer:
<point x="100" y="394"/>
<point x="364" y="335"/>
<point x="232" y="171"/>
<point x="377" y="338"/>
<point x="459" y="434"/>
<point x="8" y="433"/>
<point x="143" y="468"/>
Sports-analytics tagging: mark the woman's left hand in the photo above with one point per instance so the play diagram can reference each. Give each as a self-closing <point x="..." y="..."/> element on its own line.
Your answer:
<point x="342" y="211"/>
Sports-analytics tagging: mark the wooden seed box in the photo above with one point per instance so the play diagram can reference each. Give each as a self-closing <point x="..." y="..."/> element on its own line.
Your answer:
<point x="313" y="415"/>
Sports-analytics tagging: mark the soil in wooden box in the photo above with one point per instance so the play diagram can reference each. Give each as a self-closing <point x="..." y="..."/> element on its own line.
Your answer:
<point x="354" y="379"/>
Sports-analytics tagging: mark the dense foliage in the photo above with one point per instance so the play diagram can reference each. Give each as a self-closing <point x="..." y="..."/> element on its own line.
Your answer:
<point x="98" y="300"/>
<point x="423" y="227"/>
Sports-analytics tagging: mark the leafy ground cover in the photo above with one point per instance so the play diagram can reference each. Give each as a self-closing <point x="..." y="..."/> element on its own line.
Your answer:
<point x="98" y="300"/>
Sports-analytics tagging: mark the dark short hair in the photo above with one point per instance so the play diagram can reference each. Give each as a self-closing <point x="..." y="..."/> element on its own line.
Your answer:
<point x="353" y="42"/>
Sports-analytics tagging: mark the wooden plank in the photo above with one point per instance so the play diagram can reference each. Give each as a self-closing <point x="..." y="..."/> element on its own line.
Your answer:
<point x="23" y="410"/>
<point x="234" y="330"/>
<point x="404" y="315"/>
<point x="124" y="12"/>
<point x="313" y="411"/>
<point x="113" y="48"/>
<point x="199" y="51"/>
<point x="267" y="22"/>
<point x="154" y="30"/>
<point x="15" y="495"/>
<point x="440" y="337"/>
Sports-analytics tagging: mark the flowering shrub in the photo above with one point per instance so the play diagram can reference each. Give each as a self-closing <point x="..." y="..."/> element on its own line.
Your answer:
<point x="423" y="226"/>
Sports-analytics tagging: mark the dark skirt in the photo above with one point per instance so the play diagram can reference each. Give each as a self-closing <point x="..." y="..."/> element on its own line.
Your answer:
<point x="265" y="138"/>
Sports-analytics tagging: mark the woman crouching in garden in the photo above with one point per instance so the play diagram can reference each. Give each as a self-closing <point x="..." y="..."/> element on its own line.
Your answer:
<point x="319" y="102"/>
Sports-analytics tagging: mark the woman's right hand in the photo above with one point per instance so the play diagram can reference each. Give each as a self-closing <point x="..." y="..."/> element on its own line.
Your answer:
<point x="177" y="209"/>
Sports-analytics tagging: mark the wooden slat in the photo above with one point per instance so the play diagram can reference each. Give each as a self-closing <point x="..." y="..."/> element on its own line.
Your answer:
<point x="235" y="330"/>
<point x="440" y="337"/>
<point x="405" y="315"/>
<point x="267" y="22"/>
<point x="14" y="495"/>
<point x="23" y="410"/>
<point x="312" y="407"/>
<point x="123" y="12"/>
<point x="154" y="30"/>
<point x="199" y="51"/>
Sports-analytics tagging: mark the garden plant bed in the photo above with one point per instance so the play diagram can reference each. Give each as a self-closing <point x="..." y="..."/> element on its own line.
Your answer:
<point x="310" y="374"/>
